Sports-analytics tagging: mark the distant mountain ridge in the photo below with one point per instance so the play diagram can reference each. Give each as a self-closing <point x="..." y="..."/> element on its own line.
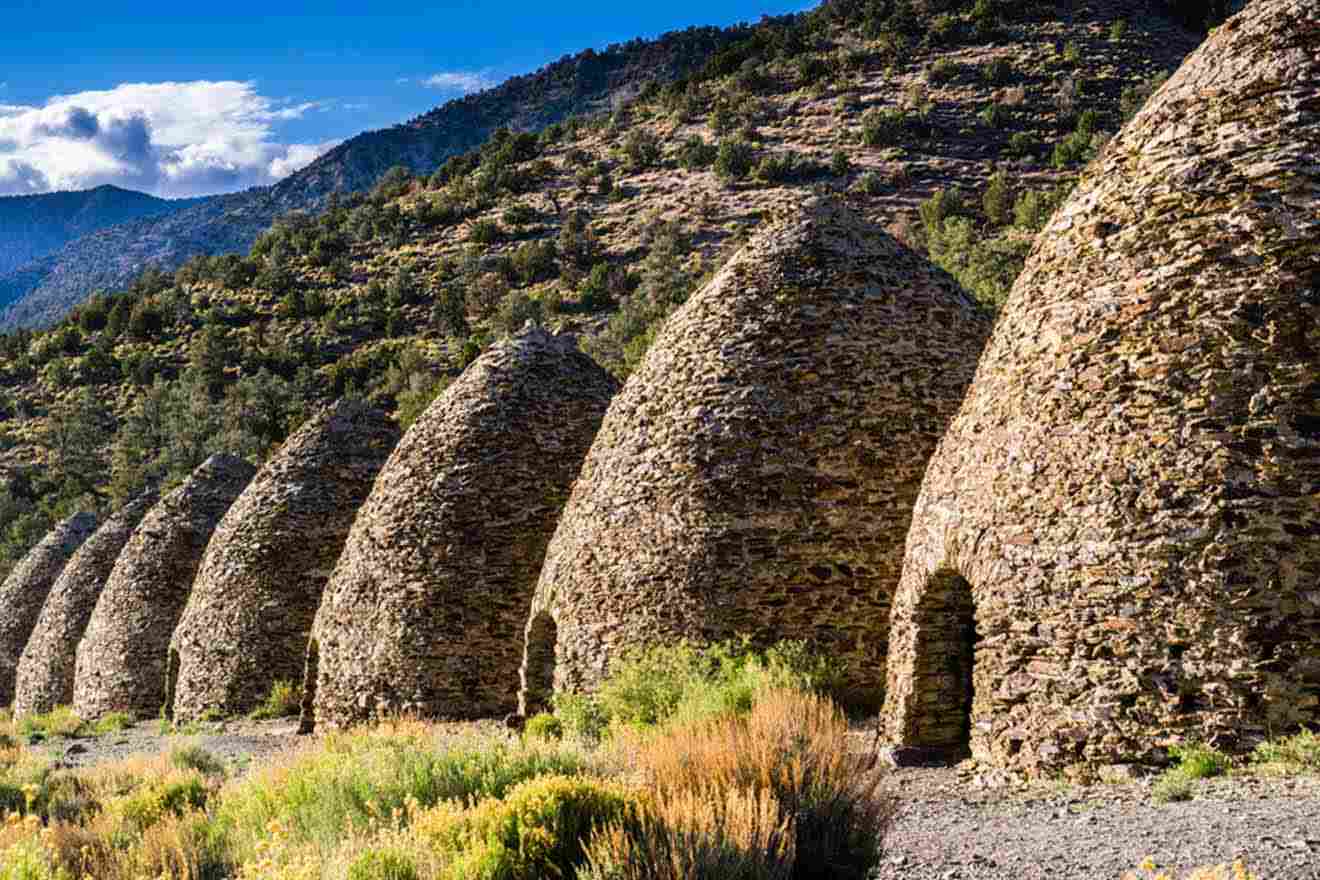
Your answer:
<point x="39" y="292"/>
<point x="33" y="226"/>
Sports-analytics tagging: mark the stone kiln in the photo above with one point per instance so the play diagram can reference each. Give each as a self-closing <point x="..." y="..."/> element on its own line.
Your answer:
<point x="45" y="672"/>
<point x="250" y="613"/>
<point x="122" y="659"/>
<point x="24" y="591"/>
<point x="757" y="473"/>
<point x="424" y="612"/>
<point x="1118" y="543"/>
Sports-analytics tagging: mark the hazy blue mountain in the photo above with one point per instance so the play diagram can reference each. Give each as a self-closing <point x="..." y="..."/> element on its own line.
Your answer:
<point x="40" y="292"/>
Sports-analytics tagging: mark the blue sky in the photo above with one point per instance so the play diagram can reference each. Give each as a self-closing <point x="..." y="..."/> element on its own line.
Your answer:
<point x="184" y="97"/>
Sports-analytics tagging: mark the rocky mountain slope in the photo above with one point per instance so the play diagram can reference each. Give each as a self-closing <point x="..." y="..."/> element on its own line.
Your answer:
<point x="955" y="130"/>
<point x="43" y="291"/>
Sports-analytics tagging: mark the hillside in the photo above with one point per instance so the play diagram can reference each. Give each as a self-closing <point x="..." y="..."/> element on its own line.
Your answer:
<point x="34" y="226"/>
<point x="44" y="291"/>
<point x="957" y="132"/>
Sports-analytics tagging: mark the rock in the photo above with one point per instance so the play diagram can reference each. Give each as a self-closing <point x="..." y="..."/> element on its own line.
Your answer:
<point x="24" y="592"/>
<point x="250" y="612"/>
<point x="757" y="473"/>
<point x="46" y="670"/>
<point x="1135" y="468"/>
<point x="122" y="660"/>
<point x="425" y="609"/>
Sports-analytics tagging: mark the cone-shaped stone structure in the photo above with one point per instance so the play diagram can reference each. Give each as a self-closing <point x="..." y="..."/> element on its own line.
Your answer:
<point x="45" y="672"/>
<point x="24" y="591"/>
<point x="1118" y="542"/>
<point x="424" y="612"/>
<point x="250" y="613"/>
<point x="122" y="659"/>
<point x="757" y="473"/>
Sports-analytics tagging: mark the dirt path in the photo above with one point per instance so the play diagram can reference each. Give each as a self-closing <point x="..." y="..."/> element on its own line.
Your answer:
<point x="952" y="828"/>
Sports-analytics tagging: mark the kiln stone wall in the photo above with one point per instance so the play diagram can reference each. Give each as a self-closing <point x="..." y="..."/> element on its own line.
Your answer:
<point x="425" y="610"/>
<point x="757" y="473"/>
<point x="24" y="591"/>
<point x="1129" y="493"/>
<point x="250" y="613"/>
<point x="45" y="672"/>
<point x="121" y="663"/>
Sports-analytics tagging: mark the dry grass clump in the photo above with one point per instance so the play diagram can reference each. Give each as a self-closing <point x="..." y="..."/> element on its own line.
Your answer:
<point x="1148" y="870"/>
<point x="791" y="751"/>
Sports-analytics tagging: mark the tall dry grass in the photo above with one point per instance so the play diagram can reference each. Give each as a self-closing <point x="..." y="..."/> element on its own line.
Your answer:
<point x="792" y="751"/>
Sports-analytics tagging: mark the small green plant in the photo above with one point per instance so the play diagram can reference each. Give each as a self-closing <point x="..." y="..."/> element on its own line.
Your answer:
<point x="58" y="722"/>
<point x="382" y="864"/>
<point x="1172" y="786"/>
<point x="882" y="128"/>
<point x="1200" y="761"/>
<point x="112" y="722"/>
<point x="993" y="115"/>
<point x="582" y="717"/>
<point x="194" y="757"/>
<point x="544" y="726"/>
<point x="283" y="701"/>
<point x="696" y="154"/>
<point x="1117" y="30"/>
<point x="996" y="72"/>
<point x="870" y="183"/>
<point x="540" y="828"/>
<point x="942" y="71"/>
<point x="1072" y="53"/>
<point x="734" y="159"/>
<point x="1021" y="144"/>
<point x="840" y="164"/>
<point x="1297" y="753"/>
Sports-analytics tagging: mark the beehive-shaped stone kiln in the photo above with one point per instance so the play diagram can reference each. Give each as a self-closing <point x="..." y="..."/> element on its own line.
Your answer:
<point x="122" y="659"/>
<point x="24" y="591"/>
<point x="248" y="619"/>
<point x="424" y="612"/>
<point x="45" y="672"/>
<point x="757" y="473"/>
<point x="1118" y="543"/>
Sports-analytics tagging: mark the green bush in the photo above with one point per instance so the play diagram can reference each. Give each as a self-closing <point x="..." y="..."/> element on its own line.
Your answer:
<point x="942" y="71"/>
<point x="1300" y="752"/>
<point x="882" y="128"/>
<point x="1200" y="761"/>
<point x="733" y="161"/>
<point x="696" y="154"/>
<point x="385" y="864"/>
<point x="540" y="829"/>
<point x="996" y="72"/>
<point x="544" y="726"/>
<point x="194" y="757"/>
<point x="1021" y="144"/>
<point x="650" y="686"/>
<point x="283" y="701"/>
<point x="1171" y="786"/>
<point x="993" y="115"/>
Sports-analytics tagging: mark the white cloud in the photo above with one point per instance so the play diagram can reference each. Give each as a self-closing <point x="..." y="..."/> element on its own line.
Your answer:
<point x="459" y="81"/>
<point x="169" y="138"/>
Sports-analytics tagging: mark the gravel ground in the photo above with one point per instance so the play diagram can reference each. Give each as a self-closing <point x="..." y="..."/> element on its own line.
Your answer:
<point x="236" y="742"/>
<point x="953" y="826"/>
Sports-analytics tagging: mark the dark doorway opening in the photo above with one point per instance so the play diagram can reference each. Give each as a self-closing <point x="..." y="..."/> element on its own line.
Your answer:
<point x="944" y="668"/>
<point x="171" y="683"/>
<point x="538" y="669"/>
<point x="307" y="714"/>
